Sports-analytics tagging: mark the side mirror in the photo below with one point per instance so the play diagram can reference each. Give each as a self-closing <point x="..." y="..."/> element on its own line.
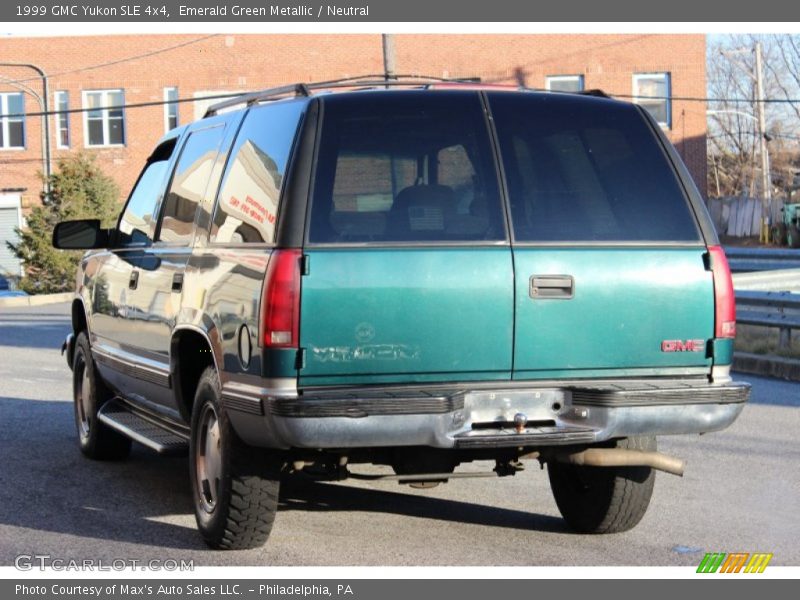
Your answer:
<point x="85" y="234"/>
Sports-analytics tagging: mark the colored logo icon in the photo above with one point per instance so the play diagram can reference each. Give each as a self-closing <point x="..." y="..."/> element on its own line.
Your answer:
<point x="735" y="562"/>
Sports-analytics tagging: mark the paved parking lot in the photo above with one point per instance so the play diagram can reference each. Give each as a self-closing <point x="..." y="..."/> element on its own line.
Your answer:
<point x="741" y="492"/>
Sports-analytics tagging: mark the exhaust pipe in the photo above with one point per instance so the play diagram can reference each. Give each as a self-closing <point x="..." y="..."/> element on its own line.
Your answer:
<point x="619" y="457"/>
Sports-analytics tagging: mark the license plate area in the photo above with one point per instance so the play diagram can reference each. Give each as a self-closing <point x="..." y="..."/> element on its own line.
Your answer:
<point x="502" y="408"/>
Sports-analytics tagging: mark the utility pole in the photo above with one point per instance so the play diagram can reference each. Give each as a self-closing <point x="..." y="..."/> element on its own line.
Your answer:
<point x="766" y="179"/>
<point x="389" y="69"/>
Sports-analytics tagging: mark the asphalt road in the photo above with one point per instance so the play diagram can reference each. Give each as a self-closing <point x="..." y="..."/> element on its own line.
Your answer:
<point x="741" y="492"/>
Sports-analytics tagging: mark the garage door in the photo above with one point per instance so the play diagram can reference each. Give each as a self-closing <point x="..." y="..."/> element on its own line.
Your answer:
<point x="9" y="220"/>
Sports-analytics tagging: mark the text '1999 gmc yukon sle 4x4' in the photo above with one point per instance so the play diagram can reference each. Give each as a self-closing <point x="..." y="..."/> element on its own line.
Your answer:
<point x="409" y="275"/>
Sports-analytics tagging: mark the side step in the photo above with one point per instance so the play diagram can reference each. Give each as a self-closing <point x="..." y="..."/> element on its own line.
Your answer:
<point x="146" y="429"/>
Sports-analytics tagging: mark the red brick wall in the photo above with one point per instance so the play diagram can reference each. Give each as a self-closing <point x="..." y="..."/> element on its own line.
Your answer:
<point x="248" y="62"/>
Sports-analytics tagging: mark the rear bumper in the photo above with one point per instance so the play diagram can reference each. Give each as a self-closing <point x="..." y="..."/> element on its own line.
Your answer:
<point x="575" y="414"/>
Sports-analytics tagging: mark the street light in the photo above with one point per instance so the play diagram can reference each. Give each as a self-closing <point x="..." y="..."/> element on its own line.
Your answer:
<point x="29" y="90"/>
<point x="45" y="117"/>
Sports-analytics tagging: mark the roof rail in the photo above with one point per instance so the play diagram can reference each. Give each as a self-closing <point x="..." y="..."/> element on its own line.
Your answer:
<point x="304" y="89"/>
<point x="298" y="89"/>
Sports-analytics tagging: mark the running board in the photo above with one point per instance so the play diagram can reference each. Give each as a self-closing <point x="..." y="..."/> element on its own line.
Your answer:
<point x="144" y="428"/>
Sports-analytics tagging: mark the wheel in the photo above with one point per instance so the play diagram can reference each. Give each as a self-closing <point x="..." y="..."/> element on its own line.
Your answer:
<point x="793" y="237"/>
<point x="89" y="393"/>
<point x="603" y="499"/>
<point x="234" y="486"/>
<point x="779" y="232"/>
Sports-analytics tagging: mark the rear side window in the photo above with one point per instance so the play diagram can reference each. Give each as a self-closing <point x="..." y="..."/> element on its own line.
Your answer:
<point x="587" y="170"/>
<point x="405" y="167"/>
<point x="188" y="186"/>
<point x="247" y="205"/>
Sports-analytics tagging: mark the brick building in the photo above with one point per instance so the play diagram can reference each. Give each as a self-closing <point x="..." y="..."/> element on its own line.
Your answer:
<point x="152" y="68"/>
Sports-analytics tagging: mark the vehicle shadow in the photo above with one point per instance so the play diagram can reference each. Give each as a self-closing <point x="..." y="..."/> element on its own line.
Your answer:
<point x="298" y="493"/>
<point x="47" y="485"/>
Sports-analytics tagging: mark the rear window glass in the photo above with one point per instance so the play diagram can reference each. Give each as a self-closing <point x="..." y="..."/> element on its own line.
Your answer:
<point x="405" y="167"/>
<point x="581" y="170"/>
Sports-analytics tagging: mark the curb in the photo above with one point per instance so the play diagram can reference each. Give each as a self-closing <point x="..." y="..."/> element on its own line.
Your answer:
<point x="38" y="300"/>
<point x="767" y="365"/>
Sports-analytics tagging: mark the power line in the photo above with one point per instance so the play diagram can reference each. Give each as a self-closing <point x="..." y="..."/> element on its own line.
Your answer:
<point x="120" y="60"/>
<point x="50" y="113"/>
<point x="235" y="94"/>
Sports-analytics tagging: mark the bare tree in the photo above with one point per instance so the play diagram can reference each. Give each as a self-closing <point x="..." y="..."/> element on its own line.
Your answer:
<point x="733" y="134"/>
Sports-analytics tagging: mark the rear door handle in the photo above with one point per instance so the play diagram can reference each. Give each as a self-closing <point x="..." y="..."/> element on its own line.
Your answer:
<point x="552" y="286"/>
<point x="133" y="283"/>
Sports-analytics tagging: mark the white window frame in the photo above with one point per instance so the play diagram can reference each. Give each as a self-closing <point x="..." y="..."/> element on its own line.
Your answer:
<point x="57" y="95"/>
<point x="637" y="99"/>
<point x="5" y="120"/>
<point x="105" y="103"/>
<point x="553" y="78"/>
<point x="168" y="107"/>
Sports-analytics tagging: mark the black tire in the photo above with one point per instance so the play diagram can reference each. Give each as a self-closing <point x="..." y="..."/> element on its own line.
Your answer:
<point x="779" y="232"/>
<point x="603" y="499"/>
<point x="235" y="492"/>
<point x="793" y="237"/>
<point x="89" y="393"/>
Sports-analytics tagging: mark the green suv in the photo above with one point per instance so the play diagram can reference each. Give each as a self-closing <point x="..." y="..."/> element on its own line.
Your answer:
<point x="317" y="277"/>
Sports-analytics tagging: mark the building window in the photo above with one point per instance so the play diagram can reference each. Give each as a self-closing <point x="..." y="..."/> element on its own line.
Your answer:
<point x="12" y="122"/>
<point x="564" y="83"/>
<point x="62" y="119"/>
<point x="653" y="91"/>
<point x="104" y="122"/>
<point x="170" y="108"/>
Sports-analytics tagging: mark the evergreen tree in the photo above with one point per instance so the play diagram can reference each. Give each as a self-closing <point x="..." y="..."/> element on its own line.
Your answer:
<point x="78" y="190"/>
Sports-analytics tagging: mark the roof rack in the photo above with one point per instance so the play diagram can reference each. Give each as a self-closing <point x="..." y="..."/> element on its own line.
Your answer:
<point x="304" y="89"/>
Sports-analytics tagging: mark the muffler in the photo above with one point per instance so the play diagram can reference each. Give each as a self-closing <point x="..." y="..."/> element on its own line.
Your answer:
<point x="620" y="457"/>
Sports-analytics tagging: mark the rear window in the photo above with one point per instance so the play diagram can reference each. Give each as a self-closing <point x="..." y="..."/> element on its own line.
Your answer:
<point x="587" y="170"/>
<point x="405" y="167"/>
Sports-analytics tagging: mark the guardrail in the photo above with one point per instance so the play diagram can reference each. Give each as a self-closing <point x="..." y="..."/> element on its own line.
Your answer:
<point x="770" y="309"/>
<point x="742" y="259"/>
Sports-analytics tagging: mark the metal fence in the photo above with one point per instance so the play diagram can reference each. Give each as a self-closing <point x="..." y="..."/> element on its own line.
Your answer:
<point x="770" y="309"/>
<point x="762" y="259"/>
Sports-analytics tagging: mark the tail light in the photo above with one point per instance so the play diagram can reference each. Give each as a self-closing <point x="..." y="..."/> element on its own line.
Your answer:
<point x="724" y="298"/>
<point x="280" y="306"/>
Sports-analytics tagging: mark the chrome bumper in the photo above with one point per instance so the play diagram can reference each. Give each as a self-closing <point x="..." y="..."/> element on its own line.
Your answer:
<point x="579" y="414"/>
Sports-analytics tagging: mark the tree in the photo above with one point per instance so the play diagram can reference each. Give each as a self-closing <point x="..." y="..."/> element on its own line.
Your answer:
<point x="78" y="190"/>
<point x="733" y="167"/>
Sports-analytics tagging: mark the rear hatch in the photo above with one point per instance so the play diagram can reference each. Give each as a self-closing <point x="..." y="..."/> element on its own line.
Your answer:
<point x="409" y="274"/>
<point x="612" y="275"/>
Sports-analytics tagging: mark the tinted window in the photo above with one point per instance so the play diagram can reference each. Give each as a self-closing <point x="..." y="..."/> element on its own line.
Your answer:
<point x="189" y="184"/>
<point x="405" y="167"/>
<point x="135" y="222"/>
<point x="582" y="169"/>
<point x="247" y="206"/>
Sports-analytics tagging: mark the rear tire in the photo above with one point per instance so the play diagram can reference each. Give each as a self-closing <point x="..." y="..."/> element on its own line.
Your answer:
<point x="234" y="486"/>
<point x="603" y="499"/>
<point x="89" y="393"/>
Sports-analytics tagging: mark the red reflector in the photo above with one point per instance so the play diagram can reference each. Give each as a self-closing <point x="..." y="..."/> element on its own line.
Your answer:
<point x="280" y="306"/>
<point x="724" y="297"/>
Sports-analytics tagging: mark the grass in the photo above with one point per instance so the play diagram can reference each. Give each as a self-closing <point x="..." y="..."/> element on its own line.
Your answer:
<point x="764" y="340"/>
